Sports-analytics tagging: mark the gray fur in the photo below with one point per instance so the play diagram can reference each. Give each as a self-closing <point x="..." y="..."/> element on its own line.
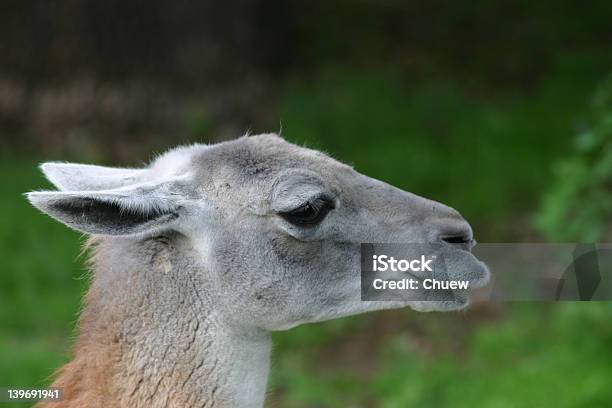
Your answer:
<point x="199" y="267"/>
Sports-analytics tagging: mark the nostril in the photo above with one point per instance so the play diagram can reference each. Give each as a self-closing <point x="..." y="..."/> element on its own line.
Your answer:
<point x="457" y="239"/>
<point x="455" y="231"/>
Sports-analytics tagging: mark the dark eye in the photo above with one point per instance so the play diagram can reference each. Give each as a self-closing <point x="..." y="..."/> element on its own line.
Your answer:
<point x="310" y="213"/>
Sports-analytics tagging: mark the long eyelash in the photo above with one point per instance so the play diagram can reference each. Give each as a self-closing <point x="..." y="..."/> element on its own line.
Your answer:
<point x="321" y="205"/>
<point x="322" y="201"/>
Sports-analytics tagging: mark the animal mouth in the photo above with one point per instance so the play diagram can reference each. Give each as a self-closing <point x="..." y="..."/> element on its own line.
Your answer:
<point x="474" y="271"/>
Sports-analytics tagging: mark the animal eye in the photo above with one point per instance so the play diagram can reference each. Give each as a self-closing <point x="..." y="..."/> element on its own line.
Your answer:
<point x="310" y="213"/>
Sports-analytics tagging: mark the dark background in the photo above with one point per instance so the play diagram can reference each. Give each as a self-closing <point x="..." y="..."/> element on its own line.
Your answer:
<point x="502" y="110"/>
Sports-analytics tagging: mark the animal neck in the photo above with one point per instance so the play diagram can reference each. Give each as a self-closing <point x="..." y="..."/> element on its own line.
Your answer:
<point x="150" y="336"/>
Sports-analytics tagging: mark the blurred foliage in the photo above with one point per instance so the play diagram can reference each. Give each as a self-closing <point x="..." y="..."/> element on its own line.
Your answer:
<point x="526" y="361"/>
<point x="578" y="205"/>
<point x="42" y="281"/>
<point x="206" y="43"/>
<point x="537" y="356"/>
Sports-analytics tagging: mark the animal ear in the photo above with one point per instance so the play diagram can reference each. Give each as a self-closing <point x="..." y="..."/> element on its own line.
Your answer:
<point x="139" y="209"/>
<point x="85" y="177"/>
